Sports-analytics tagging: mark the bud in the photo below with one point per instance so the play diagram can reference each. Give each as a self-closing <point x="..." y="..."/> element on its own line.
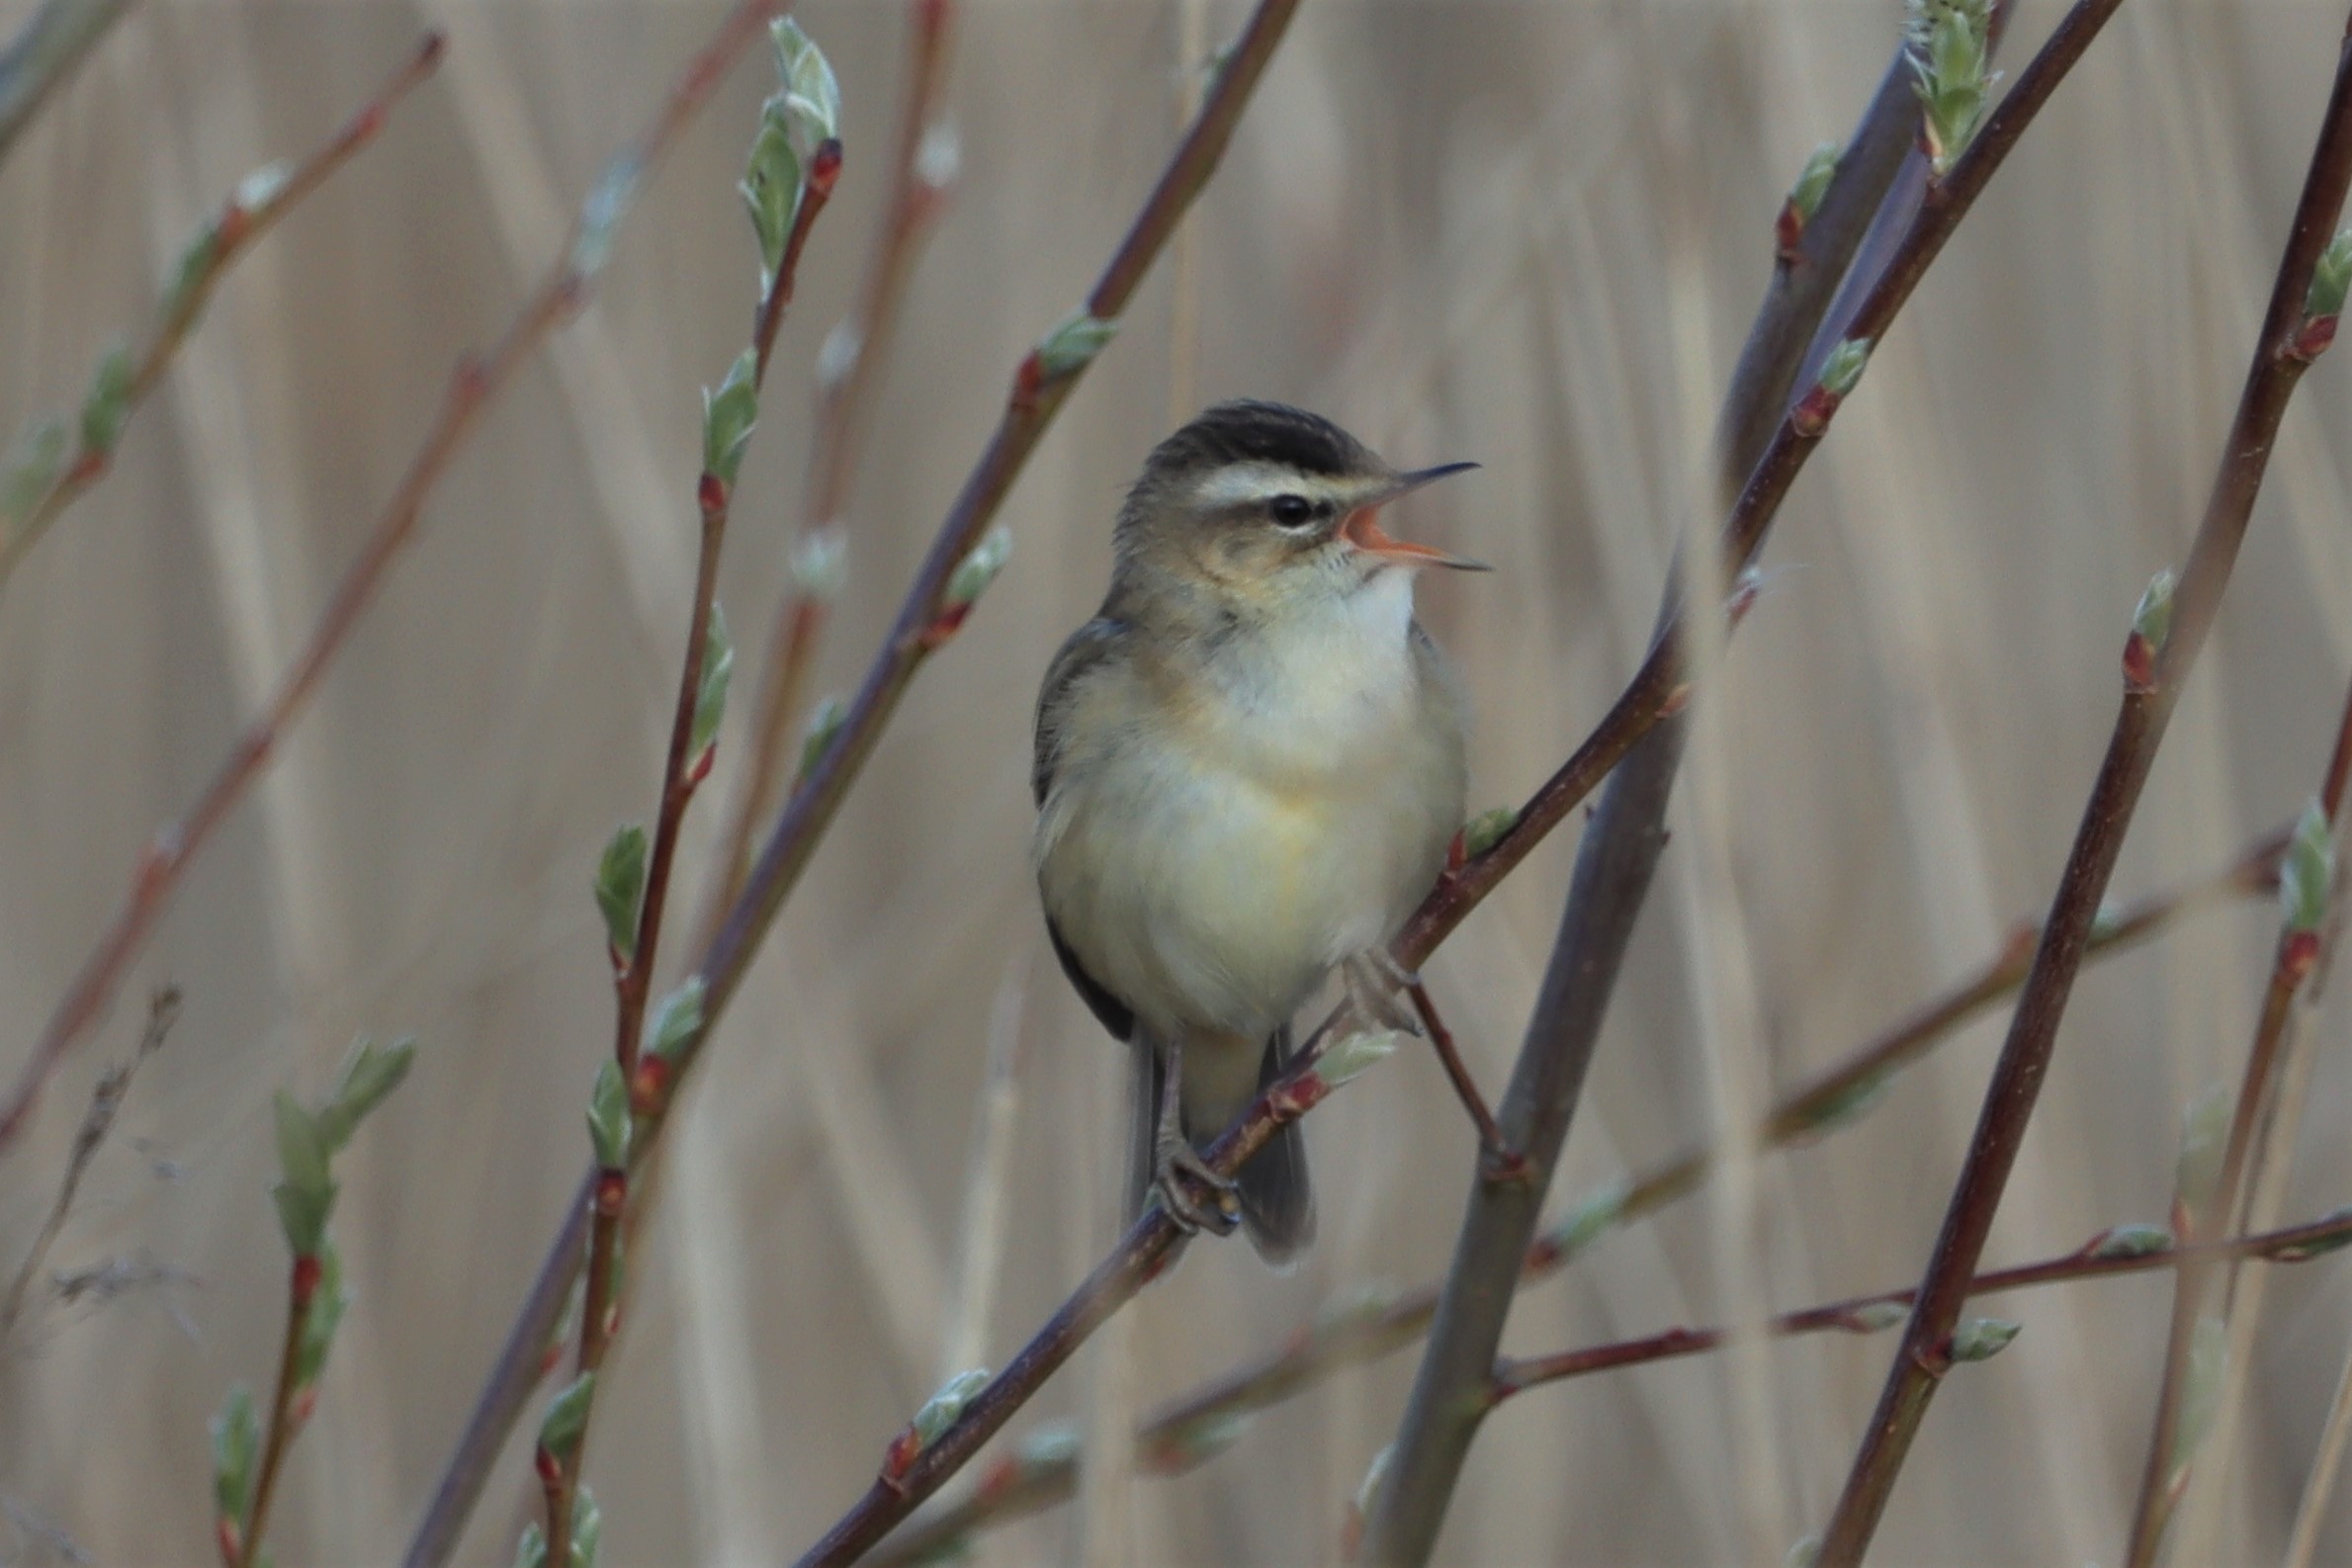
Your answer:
<point x="2131" y="1240"/>
<point x="529" y="1552"/>
<point x="2151" y="628"/>
<point x="600" y="214"/>
<point x="824" y="723"/>
<point x="710" y="698"/>
<point x="566" y="1419"/>
<point x="939" y="158"/>
<point x="1840" y="371"/>
<point x="2307" y="871"/>
<point x="1948" y="48"/>
<point x="587" y="1528"/>
<point x="621" y="888"/>
<point x="2204" y="1137"/>
<point x="676" y="1020"/>
<point x="821" y="563"/>
<point x="771" y="192"/>
<point x="608" y="1118"/>
<point x="1804" y="200"/>
<point x="1981" y="1338"/>
<point x="1876" y="1316"/>
<point x="370" y="1072"/>
<point x="306" y="1195"/>
<point x="263" y="186"/>
<point x="107" y="405"/>
<point x="810" y="104"/>
<point x="939" y="1412"/>
<point x="1356" y="1053"/>
<point x="1073" y="344"/>
<point x="977" y="570"/>
<point x="2330" y="277"/>
<point x="2201" y="1388"/>
<point x="236" y="1442"/>
<point x="1486" y="830"/>
<point x="325" y="1314"/>
<point x="728" y="415"/>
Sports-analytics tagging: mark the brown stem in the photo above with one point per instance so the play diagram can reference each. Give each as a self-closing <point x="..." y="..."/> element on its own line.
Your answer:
<point x="1347" y="1338"/>
<point x="2294" y="959"/>
<point x="1501" y="1161"/>
<point x="2139" y="725"/>
<point x="844" y="406"/>
<point x="476" y="383"/>
<point x="233" y="232"/>
<point x="302" y="1284"/>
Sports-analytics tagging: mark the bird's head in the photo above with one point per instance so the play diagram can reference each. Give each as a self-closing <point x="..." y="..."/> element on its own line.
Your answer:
<point x="1262" y="504"/>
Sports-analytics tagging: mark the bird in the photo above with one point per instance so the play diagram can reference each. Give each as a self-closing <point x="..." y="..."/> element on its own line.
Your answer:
<point x="1249" y="767"/>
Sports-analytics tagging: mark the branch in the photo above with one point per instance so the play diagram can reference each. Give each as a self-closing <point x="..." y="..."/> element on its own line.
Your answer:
<point x="106" y="1100"/>
<point x="2158" y="659"/>
<point x="1045" y="378"/>
<point x="477" y="385"/>
<point x="1378" y="1323"/>
<point x="124" y="380"/>
<point x="46" y="51"/>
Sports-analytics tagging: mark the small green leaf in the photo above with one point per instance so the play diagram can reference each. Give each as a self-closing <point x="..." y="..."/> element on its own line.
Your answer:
<point x="939" y="1412"/>
<point x="979" y="568"/>
<point x="31" y="471"/>
<point x="2152" y="619"/>
<point x="370" y="1072"/>
<point x="587" y="1528"/>
<point x="2134" y="1240"/>
<point x="1981" y="1338"/>
<point x="302" y="1215"/>
<point x="328" y="1302"/>
<point x="1876" y="1316"/>
<point x="824" y="723"/>
<point x="2201" y="1388"/>
<point x="1948" y="50"/>
<point x="728" y="414"/>
<point x="185" y="292"/>
<point x="263" y="186"/>
<point x="2330" y="277"/>
<point x="621" y="887"/>
<point x="236" y="1441"/>
<point x="303" y="1147"/>
<point x="1590" y="1219"/>
<point x="1812" y="183"/>
<point x="1073" y="344"/>
<point x="710" y="698"/>
<point x="530" y="1549"/>
<point x="566" y="1419"/>
<point x="107" y="405"/>
<point x="608" y="1118"/>
<point x="1842" y="370"/>
<point x="2204" y="1138"/>
<point x="770" y="189"/>
<point x="1357" y="1054"/>
<point x="812" y="97"/>
<point x="2307" y="871"/>
<point x="1486" y="830"/>
<point x="676" y="1020"/>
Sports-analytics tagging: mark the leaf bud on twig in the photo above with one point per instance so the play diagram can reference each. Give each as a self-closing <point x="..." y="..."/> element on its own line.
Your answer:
<point x="2151" y="628"/>
<point x="620" y="891"/>
<point x="1804" y="200"/>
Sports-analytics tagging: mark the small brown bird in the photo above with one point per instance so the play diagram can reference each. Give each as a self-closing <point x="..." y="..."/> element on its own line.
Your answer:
<point x="1247" y="768"/>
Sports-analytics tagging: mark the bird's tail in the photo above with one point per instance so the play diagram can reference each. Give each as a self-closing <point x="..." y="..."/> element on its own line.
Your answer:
<point x="1277" y="1204"/>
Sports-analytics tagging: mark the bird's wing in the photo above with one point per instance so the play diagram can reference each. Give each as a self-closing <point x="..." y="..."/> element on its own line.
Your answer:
<point x="1089" y="647"/>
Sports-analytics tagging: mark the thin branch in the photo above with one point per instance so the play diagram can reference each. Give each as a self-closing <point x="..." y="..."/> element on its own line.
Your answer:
<point x="682" y="770"/>
<point x="43" y="54"/>
<point x="302" y="1283"/>
<point x="1379" y="1324"/>
<point x="2296" y="958"/>
<point x="106" y="1100"/>
<point x="250" y="212"/>
<point x="476" y="383"/>
<point x="923" y="624"/>
<point x="2294" y="1244"/>
<point x="2155" y="676"/>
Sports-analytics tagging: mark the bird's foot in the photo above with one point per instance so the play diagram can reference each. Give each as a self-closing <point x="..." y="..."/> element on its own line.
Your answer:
<point x="1376" y="984"/>
<point x="1191" y="1194"/>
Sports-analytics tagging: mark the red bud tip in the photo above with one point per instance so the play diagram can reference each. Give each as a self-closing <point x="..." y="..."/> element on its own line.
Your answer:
<point x="2298" y="954"/>
<point x="305" y="1282"/>
<point x="551" y="1358"/>
<point x="700" y="768"/>
<point x="228" y="1539"/>
<point x="825" y="167"/>
<point x="900" y="1456"/>
<point x="1810" y="418"/>
<point x="951" y="621"/>
<point x="999" y="1478"/>
<point x="2311" y="341"/>
<point x="710" y="492"/>
<point x="1675" y="701"/>
<point x="1788" y="231"/>
<point x="1028" y="381"/>
<point x="235" y="220"/>
<point x="644" y="1094"/>
<point x="612" y="1194"/>
<point x="612" y="1321"/>
<point x="2140" y="664"/>
<point x="1292" y="1100"/>
<point x="547" y="1467"/>
<point x="1457" y="851"/>
<point x="299" y="1409"/>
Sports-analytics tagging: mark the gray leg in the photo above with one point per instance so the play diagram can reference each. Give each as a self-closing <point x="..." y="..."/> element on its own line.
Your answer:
<point x="1196" y="1197"/>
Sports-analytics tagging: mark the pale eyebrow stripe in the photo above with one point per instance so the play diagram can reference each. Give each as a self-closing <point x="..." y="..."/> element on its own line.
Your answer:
<point x="1236" y="483"/>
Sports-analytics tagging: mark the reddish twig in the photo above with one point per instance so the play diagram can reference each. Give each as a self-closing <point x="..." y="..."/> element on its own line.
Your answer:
<point x="247" y="216"/>
<point x="923" y="624"/>
<point x="1378" y="1325"/>
<point x="106" y="1100"/>
<point x="478" y="383"/>
<point x="47" y="50"/>
<point x="1502" y="1164"/>
<point x="2152" y="686"/>
<point x="302" y="1283"/>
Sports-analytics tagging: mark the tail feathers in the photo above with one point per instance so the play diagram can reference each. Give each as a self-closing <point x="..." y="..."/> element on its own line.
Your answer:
<point x="1277" y="1203"/>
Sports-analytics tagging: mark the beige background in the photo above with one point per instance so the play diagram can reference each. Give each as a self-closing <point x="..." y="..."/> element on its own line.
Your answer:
<point x="1526" y="233"/>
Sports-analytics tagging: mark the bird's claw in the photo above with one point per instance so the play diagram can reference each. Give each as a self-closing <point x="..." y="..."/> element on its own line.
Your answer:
<point x="1193" y="1195"/>
<point x="1375" y="981"/>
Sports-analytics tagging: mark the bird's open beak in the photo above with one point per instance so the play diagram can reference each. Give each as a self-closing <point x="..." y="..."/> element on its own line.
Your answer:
<point x="1361" y="527"/>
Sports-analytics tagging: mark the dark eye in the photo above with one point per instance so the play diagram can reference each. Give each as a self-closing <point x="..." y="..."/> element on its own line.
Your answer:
<point x="1291" y="511"/>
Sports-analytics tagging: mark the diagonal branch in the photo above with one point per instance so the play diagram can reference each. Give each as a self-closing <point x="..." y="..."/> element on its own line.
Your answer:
<point x="45" y="51"/>
<point x="2157" y="665"/>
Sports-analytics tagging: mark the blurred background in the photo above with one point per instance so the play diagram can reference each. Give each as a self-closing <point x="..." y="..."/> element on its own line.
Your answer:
<point x="1531" y="234"/>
